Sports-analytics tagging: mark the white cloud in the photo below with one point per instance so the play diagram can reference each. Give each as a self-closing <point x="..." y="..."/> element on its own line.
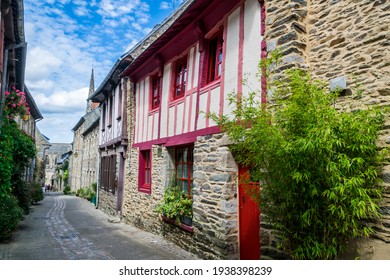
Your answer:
<point x="42" y="63"/>
<point x="58" y="127"/>
<point x="63" y="101"/>
<point x="165" y="5"/>
<point x="65" y="40"/>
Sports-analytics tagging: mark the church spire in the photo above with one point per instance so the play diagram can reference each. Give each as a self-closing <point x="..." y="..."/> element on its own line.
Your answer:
<point x="91" y="85"/>
<point x="90" y="105"/>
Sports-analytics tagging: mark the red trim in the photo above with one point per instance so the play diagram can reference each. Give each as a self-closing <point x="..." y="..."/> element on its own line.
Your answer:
<point x="193" y="67"/>
<point x="182" y="139"/>
<point x="240" y="52"/>
<point x="143" y="165"/>
<point x="159" y="108"/>
<point x="143" y="109"/>
<point x="222" y="89"/>
<point x="138" y="111"/>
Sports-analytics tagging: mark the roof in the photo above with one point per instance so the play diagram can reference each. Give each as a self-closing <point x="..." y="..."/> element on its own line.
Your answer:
<point x="111" y="80"/>
<point x="90" y="119"/>
<point x="34" y="111"/>
<point x="123" y="62"/>
<point x="180" y="19"/>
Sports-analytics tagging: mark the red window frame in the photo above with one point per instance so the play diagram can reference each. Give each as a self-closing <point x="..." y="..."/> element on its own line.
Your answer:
<point x="215" y="57"/>
<point x="145" y="172"/>
<point x="180" y="78"/>
<point x="155" y="92"/>
<point x="184" y="168"/>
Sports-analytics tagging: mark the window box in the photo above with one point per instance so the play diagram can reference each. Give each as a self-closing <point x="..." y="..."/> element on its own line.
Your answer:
<point x="178" y="224"/>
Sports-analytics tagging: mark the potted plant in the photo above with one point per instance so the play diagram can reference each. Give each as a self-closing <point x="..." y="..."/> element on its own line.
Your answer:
<point x="176" y="205"/>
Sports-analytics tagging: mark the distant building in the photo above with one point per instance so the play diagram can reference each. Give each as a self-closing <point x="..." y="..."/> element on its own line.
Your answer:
<point x="84" y="157"/>
<point x="54" y="155"/>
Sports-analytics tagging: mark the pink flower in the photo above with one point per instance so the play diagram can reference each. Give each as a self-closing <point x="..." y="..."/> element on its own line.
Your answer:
<point x="7" y="93"/>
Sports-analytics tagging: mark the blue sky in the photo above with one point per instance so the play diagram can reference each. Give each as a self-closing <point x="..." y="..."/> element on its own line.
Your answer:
<point x="66" y="38"/>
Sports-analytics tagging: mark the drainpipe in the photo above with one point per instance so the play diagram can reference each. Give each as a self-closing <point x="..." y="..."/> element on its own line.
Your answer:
<point x="4" y="78"/>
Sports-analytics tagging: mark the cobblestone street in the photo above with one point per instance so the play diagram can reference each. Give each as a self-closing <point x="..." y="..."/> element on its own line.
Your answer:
<point x="70" y="228"/>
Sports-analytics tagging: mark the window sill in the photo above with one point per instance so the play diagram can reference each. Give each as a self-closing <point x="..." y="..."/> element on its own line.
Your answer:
<point x="180" y="225"/>
<point x="145" y="189"/>
<point x="211" y="85"/>
<point x="154" y="110"/>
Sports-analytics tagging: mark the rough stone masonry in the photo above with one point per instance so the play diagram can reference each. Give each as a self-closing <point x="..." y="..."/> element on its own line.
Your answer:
<point x="346" y="42"/>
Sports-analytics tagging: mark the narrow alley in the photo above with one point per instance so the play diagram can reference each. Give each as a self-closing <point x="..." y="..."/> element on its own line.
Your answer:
<point x="70" y="228"/>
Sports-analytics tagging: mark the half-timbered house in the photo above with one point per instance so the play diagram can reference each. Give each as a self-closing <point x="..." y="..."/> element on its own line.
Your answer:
<point x="187" y="72"/>
<point x="111" y="95"/>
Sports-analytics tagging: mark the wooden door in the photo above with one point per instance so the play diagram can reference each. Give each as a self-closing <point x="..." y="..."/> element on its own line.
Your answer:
<point x="249" y="218"/>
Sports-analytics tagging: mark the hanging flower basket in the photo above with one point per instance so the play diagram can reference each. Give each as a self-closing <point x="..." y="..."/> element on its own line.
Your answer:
<point x="16" y="104"/>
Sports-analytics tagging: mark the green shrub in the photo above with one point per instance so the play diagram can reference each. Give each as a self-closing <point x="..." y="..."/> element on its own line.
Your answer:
<point x="80" y="192"/>
<point x="67" y="190"/>
<point x="21" y="190"/>
<point x="10" y="215"/>
<point x="318" y="166"/>
<point x="36" y="193"/>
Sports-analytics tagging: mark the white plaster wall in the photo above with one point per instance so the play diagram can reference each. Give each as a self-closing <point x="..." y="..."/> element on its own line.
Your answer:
<point x="231" y="59"/>
<point x="164" y="100"/>
<point x="252" y="45"/>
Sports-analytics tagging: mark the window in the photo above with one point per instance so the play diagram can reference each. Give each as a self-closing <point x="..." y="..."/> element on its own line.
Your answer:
<point x="108" y="174"/>
<point x="145" y="172"/>
<point x="214" y="62"/>
<point x="184" y="168"/>
<point x="104" y="116"/>
<point x="180" y="77"/>
<point x="155" y="96"/>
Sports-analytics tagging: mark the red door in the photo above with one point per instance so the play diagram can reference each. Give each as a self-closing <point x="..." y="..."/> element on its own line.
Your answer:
<point x="249" y="218"/>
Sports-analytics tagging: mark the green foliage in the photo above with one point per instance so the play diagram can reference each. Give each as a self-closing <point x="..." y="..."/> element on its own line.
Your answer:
<point x="10" y="215"/>
<point x="318" y="166"/>
<point x="21" y="190"/>
<point x="6" y="148"/>
<point x="87" y="192"/>
<point x="175" y="203"/>
<point x="67" y="190"/>
<point x="66" y="176"/>
<point x="36" y="193"/>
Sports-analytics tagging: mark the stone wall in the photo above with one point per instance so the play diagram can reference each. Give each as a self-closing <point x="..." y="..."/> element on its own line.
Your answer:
<point x="348" y="41"/>
<point x="215" y="199"/>
<point x="107" y="202"/>
<point x="215" y="222"/>
<point x="139" y="207"/>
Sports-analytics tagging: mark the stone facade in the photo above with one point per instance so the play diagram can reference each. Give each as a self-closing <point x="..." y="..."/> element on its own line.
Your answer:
<point x="214" y="233"/>
<point x="52" y="156"/>
<point x="346" y="41"/>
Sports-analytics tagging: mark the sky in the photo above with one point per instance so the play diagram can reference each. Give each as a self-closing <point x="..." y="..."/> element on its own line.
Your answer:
<point x="67" y="38"/>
